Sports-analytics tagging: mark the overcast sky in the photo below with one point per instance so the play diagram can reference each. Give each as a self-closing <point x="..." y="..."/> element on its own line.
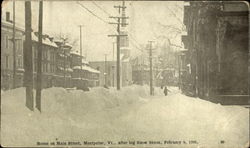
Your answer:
<point x="146" y="22"/>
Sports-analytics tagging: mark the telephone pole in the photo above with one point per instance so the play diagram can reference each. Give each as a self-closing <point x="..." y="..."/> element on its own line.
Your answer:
<point x="113" y="51"/>
<point x="179" y="71"/>
<point x="113" y="70"/>
<point x="81" y="48"/>
<point x="28" y="63"/>
<point x="14" y="45"/>
<point x="105" y="70"/>
<point x="118" y="23"/>
<point x="39" y="57"/>
<point x="151" y="68"/>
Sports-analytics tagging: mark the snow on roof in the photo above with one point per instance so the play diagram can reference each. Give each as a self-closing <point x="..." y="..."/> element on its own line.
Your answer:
<point x="127" y="59"/>
<point x="84" y="61"/>
<point x="45" y="40"/>
<point x="9" y="24"/>
<point x="68" y="45"/>
<point x="183" y="49"/>
<point x="74" y="52"/>
<point x="87" y="68"/>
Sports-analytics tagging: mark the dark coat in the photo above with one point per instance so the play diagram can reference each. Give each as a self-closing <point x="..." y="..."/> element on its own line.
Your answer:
<point x="165" y="91"/>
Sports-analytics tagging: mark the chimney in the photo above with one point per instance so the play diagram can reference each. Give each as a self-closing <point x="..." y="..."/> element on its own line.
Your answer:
<point x="8" y="16"/>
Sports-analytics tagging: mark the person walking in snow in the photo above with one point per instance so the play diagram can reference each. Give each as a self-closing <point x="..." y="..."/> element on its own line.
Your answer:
<point x="166" y="91"/>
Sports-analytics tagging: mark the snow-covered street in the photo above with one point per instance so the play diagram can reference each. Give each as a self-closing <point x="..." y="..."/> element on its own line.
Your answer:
<point x="128" y="115"/>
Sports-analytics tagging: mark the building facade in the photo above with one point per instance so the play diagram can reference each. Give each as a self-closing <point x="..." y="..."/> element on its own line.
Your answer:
<point x="83" y="75"/>
<point x="7" y="55"/>
<point x="57" y="61"/>
<point x="217" y="42"/>
<point x="108" y="72"/>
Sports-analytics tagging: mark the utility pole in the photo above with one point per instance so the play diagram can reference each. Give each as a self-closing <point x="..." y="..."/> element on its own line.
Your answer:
<point x="14" y="45"/>
<point x="118" y="41"/>
<point x="105" y="70"/>
<point x="151" y="67"/>
<point x="28" y="63"/>
<point x="113" y="51"/>
<point x="179" y="70"/>
<point x="39" y="57"/>
<point x="81" y="48"/>
<point x="113" y="70"/>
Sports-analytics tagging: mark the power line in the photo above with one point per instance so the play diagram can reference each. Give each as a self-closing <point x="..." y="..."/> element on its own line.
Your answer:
<point x="94" y="14"/>
<point x="135" y="42"/>
<point x="91" y="12"/>
<point x="101" y="8"/>
<point x="107" y="22"/>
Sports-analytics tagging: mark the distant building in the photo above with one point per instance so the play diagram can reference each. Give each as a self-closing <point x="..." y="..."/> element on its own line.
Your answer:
<point x="108" y="74"/>
<point x="49" y="51"/>
<point x="83" y="75"/>
<point x="164" y="69"/>
<point x="63" y="63"/>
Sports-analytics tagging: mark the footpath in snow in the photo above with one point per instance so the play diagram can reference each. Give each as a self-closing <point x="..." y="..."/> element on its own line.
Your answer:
<point x="127" y="115"/>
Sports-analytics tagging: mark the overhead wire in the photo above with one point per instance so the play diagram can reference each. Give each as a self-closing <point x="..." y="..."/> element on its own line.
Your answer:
<point x="91" y="12"/>
<point x="100" y="8"/>
<point x="132" y="39"/>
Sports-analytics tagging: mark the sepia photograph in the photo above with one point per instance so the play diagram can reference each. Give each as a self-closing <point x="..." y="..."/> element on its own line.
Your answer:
<point x="125" y="74"/>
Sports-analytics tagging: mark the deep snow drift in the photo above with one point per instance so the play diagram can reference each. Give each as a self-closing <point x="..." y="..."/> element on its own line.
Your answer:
<point x="130" y="114"/>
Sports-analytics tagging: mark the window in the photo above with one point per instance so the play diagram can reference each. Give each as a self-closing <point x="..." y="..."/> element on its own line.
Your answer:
<point x="7" y="42"/>
<point x="43" y="57"/>
<point x="51" y="68"/>
<point x="47" y="56"/>
<point x="34" y="52"/>
<point x="43" y="67"/>
<point x="52" y="56"/>
<point x="35" y="66"/>
<point x="19" y="62"/>
<point x="7" y="61"/>
<point x="47" y="67"/>
<point x="19" y="45"/>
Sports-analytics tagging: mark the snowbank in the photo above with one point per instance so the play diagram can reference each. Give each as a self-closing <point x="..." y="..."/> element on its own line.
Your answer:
<point x="130" y="114"/>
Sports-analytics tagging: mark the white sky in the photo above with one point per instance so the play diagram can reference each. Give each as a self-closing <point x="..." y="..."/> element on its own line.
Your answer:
<point x="64" y="17"/>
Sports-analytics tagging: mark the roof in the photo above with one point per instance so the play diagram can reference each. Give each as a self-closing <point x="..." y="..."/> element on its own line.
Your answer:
<point x="9" y="24"/>
<point x="85" y="61"/>
<point x="34" y="37"/>
<point x="87" y="68"/>
<point x="74" y="52"/>
<point x="45" y="41"/>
